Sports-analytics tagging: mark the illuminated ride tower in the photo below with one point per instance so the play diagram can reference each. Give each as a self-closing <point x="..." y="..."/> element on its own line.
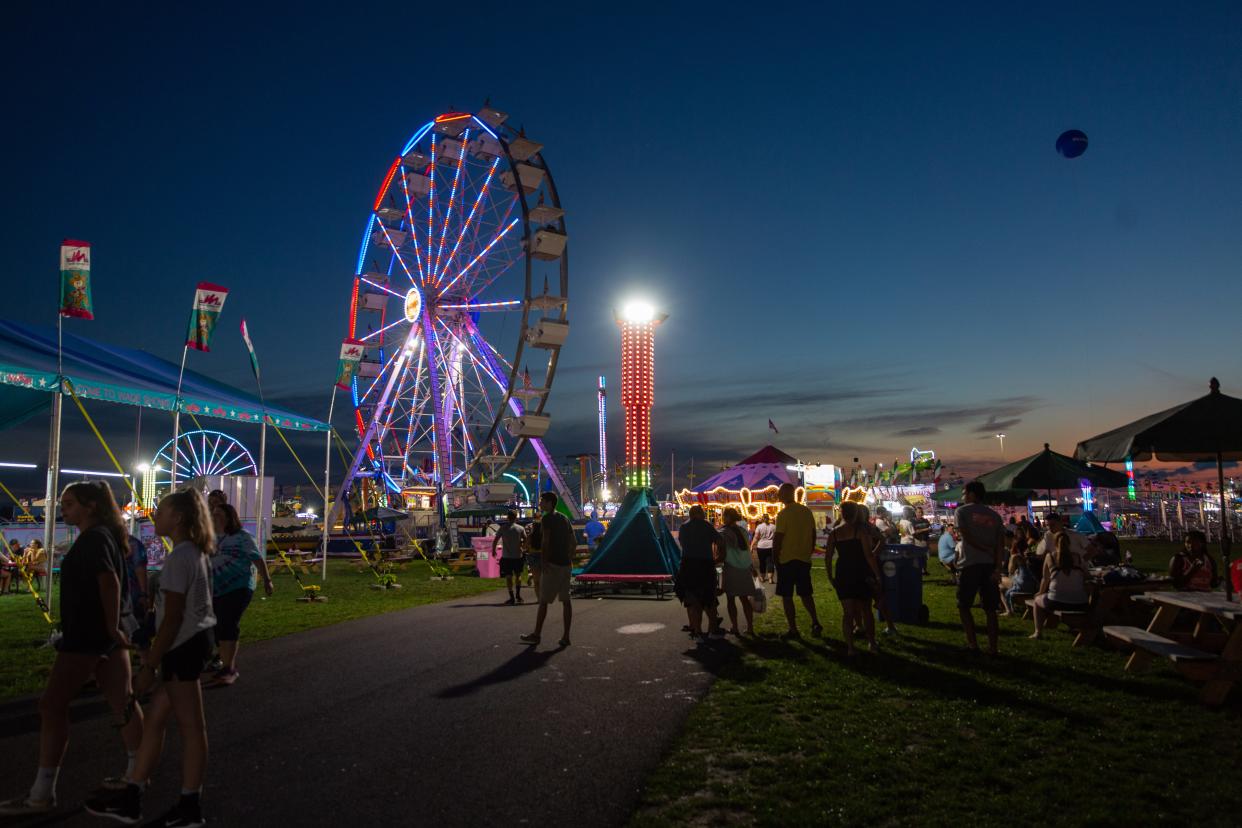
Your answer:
<point x="603" y="442"/>
<point x="638" y="321"/>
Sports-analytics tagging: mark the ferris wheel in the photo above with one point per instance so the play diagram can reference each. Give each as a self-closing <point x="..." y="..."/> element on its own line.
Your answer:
<point x="202" y="453"/>
<point x="459" y="298"/>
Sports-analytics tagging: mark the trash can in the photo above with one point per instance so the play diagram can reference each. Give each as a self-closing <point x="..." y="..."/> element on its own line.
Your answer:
<point x="901" y="573"/>
<point x="487" y="566"/>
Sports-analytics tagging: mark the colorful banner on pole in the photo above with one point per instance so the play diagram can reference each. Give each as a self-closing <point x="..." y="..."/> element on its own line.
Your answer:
<point x="347" y="366"/>
<point x="254" y="358"/>
<point x="75" y="279"/>
<point x="208" y="302"/>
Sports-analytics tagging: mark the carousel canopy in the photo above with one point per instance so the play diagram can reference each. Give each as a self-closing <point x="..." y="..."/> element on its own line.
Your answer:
<point x="766" y="467"/>
<point x="99" y="371"/>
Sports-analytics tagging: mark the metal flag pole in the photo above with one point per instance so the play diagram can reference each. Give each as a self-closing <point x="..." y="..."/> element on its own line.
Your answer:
<point x="134" y="499"/>
<point x="51" y="494"/>
<point x="176" y="452"/>
<point x="1225" y="538"/>
<point x="262" y="540"/>
<point x="327" y="476"/>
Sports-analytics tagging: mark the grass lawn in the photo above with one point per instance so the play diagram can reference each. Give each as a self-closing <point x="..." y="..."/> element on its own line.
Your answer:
<point x="24" y="664"/>
<point x="925" y="734"/>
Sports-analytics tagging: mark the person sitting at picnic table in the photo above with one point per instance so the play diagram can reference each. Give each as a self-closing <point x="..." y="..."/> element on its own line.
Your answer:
<point x="1021" y="579"/>
<point x="1047" y="547"/>
<point x="1064" y="585"/>
<point x="1193" y="569"/>
<point x="946" y="548"/>
<point x="1107" y="549"/>
<point x="9" y="562"/>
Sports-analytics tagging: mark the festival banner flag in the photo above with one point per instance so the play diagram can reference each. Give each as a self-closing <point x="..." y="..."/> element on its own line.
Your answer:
<point x="208" y="303"/>
<point x="347" y="366"/>
<point x="254" y="358"/>
<point x="75" y="279"/>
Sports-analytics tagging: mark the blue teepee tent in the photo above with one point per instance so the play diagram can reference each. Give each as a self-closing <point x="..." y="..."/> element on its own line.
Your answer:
<point x="637" y="542"/>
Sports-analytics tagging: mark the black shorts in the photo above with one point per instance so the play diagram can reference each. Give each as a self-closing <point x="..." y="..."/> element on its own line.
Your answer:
<point x="511" y="566"/>
<point x="793" y="576"/>
<point x="977" y="580"/>
<point x="228" y="609"/>
<point x="186" y="662"/>
<point x="765" y="559"/>
<point x="75" y="646"/>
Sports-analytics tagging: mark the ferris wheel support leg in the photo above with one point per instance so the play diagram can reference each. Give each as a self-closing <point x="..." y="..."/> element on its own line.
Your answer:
<point x="367" y="436"/>
<point x="554" y="474"/>
<point x="439" y="404"/>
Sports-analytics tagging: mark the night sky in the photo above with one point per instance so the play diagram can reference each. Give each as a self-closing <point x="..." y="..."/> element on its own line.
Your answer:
<point x="855" y="218"/>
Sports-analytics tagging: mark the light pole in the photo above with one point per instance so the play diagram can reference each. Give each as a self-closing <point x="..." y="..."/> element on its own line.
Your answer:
<point x="1001" y="437"/>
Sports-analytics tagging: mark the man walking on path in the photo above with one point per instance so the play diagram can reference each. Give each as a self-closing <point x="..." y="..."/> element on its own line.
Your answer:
<point x="558" y="550"/>
<point x="510" y="540"/>
<point x="791" y="549"/>
<point x="983" y="547"/>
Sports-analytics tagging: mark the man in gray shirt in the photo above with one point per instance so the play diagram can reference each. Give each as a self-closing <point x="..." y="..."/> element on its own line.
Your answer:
<point x="510" y="538"/>
<point x="983" y="545"/>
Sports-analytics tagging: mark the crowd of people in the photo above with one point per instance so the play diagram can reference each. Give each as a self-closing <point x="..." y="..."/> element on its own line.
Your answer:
<point x="112" y="610"/>
<point x="108" y="619"/>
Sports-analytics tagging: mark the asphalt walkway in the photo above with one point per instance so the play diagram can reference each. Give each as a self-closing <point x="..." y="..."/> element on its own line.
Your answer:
<point x="431" y="716"/>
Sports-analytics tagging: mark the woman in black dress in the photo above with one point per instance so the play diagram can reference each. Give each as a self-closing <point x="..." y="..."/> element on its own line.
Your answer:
<point x="857" y="575"/>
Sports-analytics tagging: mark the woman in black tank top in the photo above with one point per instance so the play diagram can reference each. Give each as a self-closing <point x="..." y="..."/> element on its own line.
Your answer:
<point x="857" y="575"/>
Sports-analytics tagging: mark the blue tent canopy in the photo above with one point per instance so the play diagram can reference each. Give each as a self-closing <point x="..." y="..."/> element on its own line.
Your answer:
<point x="98" y="371"/>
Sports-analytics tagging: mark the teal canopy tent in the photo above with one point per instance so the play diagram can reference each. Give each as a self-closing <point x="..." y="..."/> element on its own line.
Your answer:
<point x="637" y="542"/>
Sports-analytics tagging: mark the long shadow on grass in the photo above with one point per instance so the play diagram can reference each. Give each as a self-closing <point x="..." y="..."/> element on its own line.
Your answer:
<point x="526" y="661"/>
<point x="1042" y="674"/>
<point x="898" y="670"/>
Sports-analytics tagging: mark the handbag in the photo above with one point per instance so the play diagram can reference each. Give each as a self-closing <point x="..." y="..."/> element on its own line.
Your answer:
<point x="759" y="601"/>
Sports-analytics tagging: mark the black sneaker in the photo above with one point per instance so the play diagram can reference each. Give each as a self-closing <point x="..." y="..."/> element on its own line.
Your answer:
<point x="509" y="603"/>
<point x="187" y="813"/>
<point x="123" y="806"/>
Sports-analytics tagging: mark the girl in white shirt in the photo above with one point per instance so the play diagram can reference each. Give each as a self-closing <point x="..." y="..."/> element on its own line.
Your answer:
<point x="182" y="645"/>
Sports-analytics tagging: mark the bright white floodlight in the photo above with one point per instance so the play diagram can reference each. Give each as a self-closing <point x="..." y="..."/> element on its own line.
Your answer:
<point x="638" y="311"/>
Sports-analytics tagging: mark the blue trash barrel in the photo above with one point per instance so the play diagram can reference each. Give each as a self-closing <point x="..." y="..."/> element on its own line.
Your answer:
<point x="901" y="571"/>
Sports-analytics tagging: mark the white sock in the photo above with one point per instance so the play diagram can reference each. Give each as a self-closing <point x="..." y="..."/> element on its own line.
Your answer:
<point x="131" y="756"/>
<point x="44" y="786"/>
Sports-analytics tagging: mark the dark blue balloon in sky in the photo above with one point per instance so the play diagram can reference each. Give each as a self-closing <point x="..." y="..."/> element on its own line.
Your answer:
<point x="1072" y="143"/>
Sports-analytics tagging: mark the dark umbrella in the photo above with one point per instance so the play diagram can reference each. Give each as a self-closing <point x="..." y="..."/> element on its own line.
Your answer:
<point x="1202" y="430"/>
<point x="1000" y="497"/>
<point x="1048" y="470"/>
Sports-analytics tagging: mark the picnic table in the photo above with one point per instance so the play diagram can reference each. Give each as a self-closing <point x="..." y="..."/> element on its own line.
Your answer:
<point x="1217" y="669"/>
<point x="1112" y="604"/>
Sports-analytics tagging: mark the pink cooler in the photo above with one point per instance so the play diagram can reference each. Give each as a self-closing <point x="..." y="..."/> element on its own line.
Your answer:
<point x="488" y="566"/>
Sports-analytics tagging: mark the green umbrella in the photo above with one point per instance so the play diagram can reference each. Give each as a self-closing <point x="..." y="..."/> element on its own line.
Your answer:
<point x="1000" y="497"/>
<point x="1048" y="470"/>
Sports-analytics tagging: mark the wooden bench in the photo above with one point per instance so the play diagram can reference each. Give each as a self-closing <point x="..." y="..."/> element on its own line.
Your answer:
<point x="1080" y="622"/>
<point x="1149" y="642"/>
